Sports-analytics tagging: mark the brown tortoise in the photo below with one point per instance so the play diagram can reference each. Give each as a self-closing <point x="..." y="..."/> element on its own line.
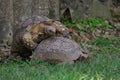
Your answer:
<point x="58" y="50"/>
<point x="32" y="31"/>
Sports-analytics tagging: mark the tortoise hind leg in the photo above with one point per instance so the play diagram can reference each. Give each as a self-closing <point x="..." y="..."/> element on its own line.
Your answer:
<point x="82" y="57"/>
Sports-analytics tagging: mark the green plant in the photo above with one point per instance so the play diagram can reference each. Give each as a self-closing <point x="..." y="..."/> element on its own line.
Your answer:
<point x="67" y="22"/>
<point x="90" y="23"/>
<point x="101" y="41"/>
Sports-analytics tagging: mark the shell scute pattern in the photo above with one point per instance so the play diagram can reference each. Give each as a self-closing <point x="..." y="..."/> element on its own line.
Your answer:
<point x="58" y="49"/>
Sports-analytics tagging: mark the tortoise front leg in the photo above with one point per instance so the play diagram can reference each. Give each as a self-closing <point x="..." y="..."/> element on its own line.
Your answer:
<point x="28" y="41"/>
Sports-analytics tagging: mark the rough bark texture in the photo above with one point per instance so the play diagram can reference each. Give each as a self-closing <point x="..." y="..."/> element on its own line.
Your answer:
<point x="21" y="11"/>
<point x="12" y="12"/>
<point x="6" y="22"/>
<point x="40" y="7"/>
<point x="101" y="8"/>
<point x="54" y="9"/>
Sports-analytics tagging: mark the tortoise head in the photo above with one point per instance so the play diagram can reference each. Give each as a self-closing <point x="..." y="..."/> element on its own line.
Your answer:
<point x="61" y="29"/>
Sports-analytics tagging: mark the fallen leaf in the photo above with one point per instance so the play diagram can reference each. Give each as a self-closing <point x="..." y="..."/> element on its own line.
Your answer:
<point x="86" y="38"/>
<point x="71" y="30"/>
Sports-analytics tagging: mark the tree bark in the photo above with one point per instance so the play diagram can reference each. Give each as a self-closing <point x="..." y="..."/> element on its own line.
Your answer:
<point x="21" y="11"/>
<point x="6" y="21"/>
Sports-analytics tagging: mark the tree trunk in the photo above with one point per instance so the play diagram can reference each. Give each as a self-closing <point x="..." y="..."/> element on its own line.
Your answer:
<point x="6" y="21"/>
<point x="21" y="11"/>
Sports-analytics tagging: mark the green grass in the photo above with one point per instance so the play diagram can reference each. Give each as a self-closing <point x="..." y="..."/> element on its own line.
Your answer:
<point x="103" y="68"/>
<point x="106" y="45"/>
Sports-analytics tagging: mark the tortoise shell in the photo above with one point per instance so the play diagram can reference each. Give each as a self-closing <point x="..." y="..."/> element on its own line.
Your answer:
<point x="35" y="19"/>
<point x="58" y="49"/>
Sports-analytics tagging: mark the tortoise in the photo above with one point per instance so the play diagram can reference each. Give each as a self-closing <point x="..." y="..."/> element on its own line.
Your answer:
<point x="60" y="28"/>
<point x="32" y="31"/>
<point x="58" y="50"/>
